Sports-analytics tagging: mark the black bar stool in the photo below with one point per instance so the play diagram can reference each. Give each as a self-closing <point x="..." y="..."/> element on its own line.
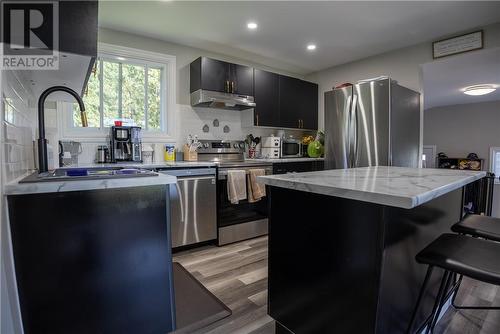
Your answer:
<point x="479" y="227"/>
<point x="456" y="254"/>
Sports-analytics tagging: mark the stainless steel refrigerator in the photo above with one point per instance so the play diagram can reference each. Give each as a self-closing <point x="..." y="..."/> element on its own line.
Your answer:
<point x="374" y="123"/>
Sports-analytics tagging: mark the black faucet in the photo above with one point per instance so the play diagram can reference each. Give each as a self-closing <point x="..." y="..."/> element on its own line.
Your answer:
<point x="42" y="142"/>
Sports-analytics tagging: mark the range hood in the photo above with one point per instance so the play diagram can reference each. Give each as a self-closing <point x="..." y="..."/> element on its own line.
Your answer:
<point x="218" y="100"/>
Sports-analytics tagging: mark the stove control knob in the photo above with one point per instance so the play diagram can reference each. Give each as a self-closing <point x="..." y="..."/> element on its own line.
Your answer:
<point x="206" y="145"/>
<point x="235" y="145"/>
<point x="242" y="145"/>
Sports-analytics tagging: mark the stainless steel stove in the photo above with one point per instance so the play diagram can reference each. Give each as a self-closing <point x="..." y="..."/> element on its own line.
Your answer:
<point x="240" y="221"/>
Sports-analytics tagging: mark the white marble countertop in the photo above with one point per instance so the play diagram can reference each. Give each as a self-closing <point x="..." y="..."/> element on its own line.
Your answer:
<point x="393" y="186"/>
<point x="16" y="188"/>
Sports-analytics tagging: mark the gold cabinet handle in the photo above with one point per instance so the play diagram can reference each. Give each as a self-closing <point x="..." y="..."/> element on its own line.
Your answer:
<point x="226" y="86"/>
<point x="302" y="123"/>
<point x="257" y="119"/>
<point x="232" y="87"/>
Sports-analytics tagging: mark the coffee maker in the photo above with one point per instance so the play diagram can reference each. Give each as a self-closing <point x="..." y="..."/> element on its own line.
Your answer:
<point x="125" y="144"/>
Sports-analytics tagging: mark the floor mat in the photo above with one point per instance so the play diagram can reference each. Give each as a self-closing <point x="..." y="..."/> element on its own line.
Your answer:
<point x="195" y="306"/>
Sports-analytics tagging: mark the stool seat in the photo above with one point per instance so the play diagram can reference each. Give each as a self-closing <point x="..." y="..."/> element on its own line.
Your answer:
<point x="479" y="226"/>
<point x="464" y="255"/>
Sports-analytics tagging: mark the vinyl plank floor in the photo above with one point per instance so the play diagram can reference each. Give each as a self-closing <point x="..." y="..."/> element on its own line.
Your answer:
<point x="473" y="321"/>
<point x="237" y="275"/>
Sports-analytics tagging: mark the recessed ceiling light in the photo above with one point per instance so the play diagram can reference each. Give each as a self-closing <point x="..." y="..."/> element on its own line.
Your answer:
<point x="311" y="47"/>
<point x="252" y="25"/>
<point x="121" y="58"/>
<point x="479" y="90"/>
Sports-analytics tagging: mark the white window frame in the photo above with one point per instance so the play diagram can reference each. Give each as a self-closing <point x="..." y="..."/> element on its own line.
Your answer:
<point x="168" y="93"/>
<point x="493" y="151"/>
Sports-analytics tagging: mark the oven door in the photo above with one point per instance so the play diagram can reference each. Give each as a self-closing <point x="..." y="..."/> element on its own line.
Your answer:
<point x="291" y="149"/>
<point x="239" y="221"/>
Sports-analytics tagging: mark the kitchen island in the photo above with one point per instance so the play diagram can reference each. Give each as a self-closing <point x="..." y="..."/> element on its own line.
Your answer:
<point x="342" y="245"/>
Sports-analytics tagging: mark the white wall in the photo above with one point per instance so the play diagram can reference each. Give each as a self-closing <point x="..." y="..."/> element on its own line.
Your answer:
<point x="461" y="129"/>
<point x="402" y="65"/>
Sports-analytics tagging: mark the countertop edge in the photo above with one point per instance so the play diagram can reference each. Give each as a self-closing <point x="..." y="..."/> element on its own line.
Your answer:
<point x="16" y="188"/>
<point x="405" y="202"/>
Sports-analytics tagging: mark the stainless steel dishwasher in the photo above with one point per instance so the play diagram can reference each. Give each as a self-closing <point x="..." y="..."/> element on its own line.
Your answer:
<point x="193" y="205"/>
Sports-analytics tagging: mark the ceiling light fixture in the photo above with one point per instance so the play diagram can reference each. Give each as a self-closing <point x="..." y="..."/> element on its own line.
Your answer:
<point x="252" y="25"/>
<point x="311" y="47"/>
<point x="479" y="90"/>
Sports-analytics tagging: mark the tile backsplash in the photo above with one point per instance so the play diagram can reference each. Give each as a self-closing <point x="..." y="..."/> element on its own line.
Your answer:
<point x="18" y="123"/>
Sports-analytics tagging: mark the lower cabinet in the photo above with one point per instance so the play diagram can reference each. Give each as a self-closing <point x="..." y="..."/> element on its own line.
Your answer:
<point x="298" y="167"/>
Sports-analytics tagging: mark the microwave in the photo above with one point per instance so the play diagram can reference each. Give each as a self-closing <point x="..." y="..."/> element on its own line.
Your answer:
<point x="291" y="148"/>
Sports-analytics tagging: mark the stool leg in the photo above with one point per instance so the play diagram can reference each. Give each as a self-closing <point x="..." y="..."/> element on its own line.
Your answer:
<point x="419" y="299"/>
<point x="437" y="303"/>
<point x="440" y="299"/>
<point x="456" y="292"/>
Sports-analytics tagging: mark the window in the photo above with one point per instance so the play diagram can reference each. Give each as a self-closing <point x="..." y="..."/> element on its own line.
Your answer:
<point x="495" y="162"/>
<point x="134" y="86"/>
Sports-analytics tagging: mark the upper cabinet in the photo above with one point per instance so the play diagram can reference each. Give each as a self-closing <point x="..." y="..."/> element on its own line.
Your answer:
<point x="290" y="97"/>
<point x="266" y="112"/>
<point x="78" y="27"/>
<point x="242" y="78"/>
<point x="298" y="103"/>
<point x="219" y="76"/>
<point x="309" y="106"/>
<point x="281" y="101"/>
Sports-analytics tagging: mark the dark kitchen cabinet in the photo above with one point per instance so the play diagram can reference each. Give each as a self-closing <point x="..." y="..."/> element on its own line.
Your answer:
<point x="290" y="98"/>
<point x="209" y="74"/>
<point x="220" y="76"/>
<point x="242" y="79"/>
<point x="281" y="101"/>
<point x="298" y="167"/>
<point x="309" y="105"/>
<point x="266" y="95"/>
<point x="78" y="27"/>
<point x="84" y="259"/>
<point x="298" y="103"/>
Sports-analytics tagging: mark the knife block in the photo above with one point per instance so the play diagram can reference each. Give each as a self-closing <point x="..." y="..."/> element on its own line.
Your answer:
<point x="190" y="155"/>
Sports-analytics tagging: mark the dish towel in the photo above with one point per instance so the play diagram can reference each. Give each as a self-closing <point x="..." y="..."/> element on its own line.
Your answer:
<point x="236" y="185"/>
<point x="256" y="189"/>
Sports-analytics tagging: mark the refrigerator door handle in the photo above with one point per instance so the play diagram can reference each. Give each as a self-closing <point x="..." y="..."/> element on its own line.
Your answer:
<point x="352" y="132"/>
<point x="355" y="127"/>
<point x="347" y="124"/>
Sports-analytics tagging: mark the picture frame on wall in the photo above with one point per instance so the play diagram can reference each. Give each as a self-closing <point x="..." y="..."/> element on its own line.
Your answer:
<point x="458" y="44"/>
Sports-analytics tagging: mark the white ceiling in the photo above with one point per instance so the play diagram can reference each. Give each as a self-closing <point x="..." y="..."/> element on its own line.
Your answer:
<point x="444" y="80"/>
<point x="343" y="30"/>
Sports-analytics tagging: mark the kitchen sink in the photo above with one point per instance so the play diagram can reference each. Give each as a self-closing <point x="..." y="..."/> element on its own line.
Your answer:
<point x="94" y="173"/>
